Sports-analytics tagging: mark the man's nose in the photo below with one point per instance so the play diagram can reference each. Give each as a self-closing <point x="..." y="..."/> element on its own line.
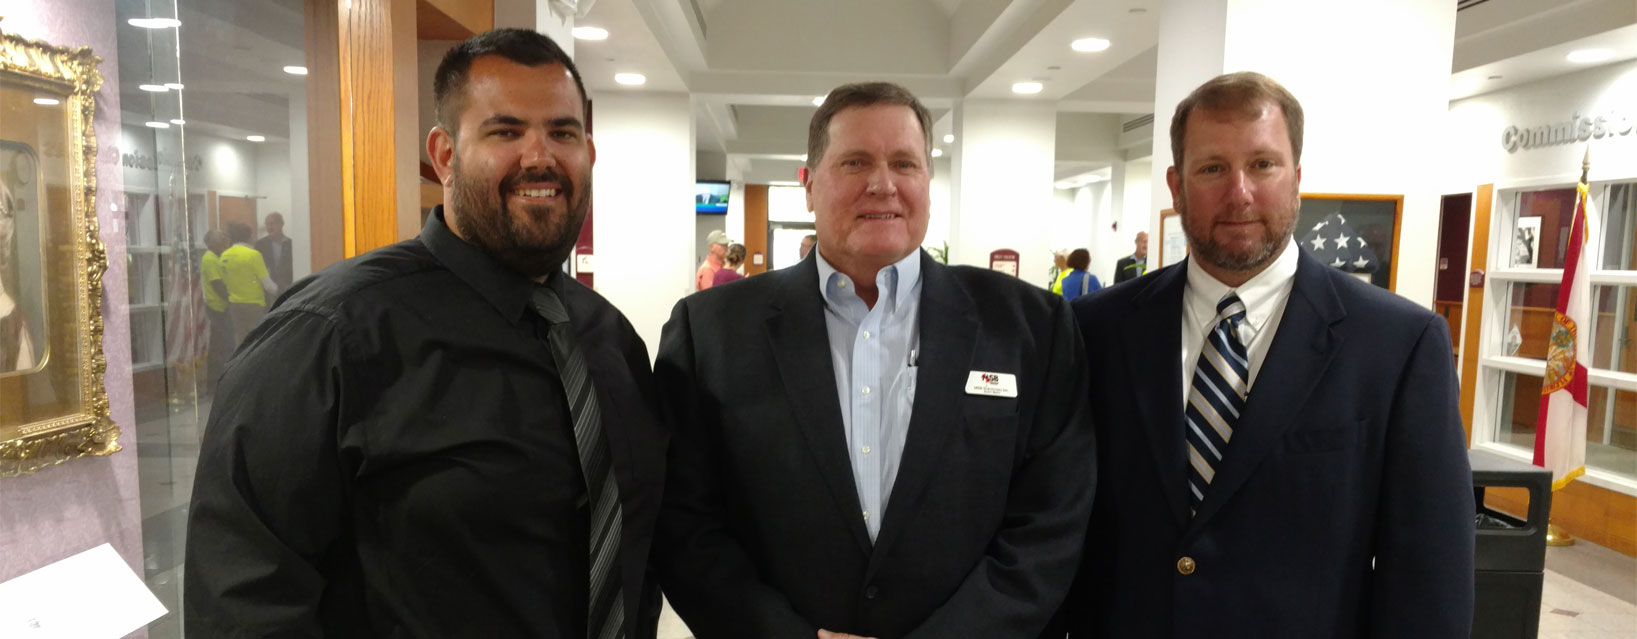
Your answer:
<point x="881" y="181"/>
<point x="536" y="153"/>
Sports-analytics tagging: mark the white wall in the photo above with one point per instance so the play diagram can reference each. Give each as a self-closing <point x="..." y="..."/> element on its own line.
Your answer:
<point x="1474" y="153"/>
<point x="1004" y="166"/>
<point x="273" y="185"/>
<point x="643" y="184"/>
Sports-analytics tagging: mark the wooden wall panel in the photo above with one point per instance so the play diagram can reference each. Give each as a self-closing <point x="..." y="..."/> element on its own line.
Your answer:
<point x="1475" y="304"/>
<point x="369" y="193"/>
<point x="755" y="232"/>
<point x="1597" y="515"/>
<point x="324" y="133"/>
<point x="453" y="19"/>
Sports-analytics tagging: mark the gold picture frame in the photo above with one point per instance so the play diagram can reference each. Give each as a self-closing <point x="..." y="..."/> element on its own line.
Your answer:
<point x="53" y="404"/>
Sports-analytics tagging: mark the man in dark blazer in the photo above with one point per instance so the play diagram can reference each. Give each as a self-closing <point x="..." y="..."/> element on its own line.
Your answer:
<point x="871" y="443"/>
<point x="1335" y="499"/>
<point x="275" y="248"/>
<point x="1134" y="265"/>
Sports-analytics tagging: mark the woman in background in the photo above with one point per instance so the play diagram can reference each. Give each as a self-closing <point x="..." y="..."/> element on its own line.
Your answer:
<point x="1079" y="281"/>
<point x="731" y="264"/>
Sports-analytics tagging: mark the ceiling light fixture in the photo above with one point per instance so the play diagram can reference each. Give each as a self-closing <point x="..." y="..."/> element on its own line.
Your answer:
<point x="631" y="79"/>
<point x="949" y="138"/>
<point x="47" y="101"/>
<point x="155" y="23"/>
<point x="178" y="121"/>
<point x="159" y="125"/>
<point x="1027" y="88"/>
<point x="1089" y="45"/>
<point x="818" y="101"/>
<point x="153" y="88"/>
<point x="256" y="138"/>
<point x="937" y="153"/>
<point x="174" y="85"/>
<point x="1590" y="56"/>
<point x="589" y="33"/>
<point x="295" y="70"/>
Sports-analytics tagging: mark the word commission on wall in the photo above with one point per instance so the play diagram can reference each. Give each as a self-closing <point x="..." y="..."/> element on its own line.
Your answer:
<point x="1576" y="129"/>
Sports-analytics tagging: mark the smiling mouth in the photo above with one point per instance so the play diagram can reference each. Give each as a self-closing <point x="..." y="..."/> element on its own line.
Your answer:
<point x="880" y="216"/>
<point x="536" y="192"/>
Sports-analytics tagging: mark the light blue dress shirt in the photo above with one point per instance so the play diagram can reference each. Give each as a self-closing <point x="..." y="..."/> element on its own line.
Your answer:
<point x="874" y="353"/>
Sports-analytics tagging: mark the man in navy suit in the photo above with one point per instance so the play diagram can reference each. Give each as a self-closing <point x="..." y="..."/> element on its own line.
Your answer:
<point x="1279" y="448"/>
<point x="871" y="442"/>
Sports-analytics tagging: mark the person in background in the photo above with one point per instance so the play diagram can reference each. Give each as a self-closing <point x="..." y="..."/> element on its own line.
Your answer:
<point x="1133" y="266"/>
<point x="16" y="345"/>
<point x="214" y="277"/>
<point x="717" y="243"/>
<point x="1060" y="270"/>
<point x="807" y="243"/>
<point x="248" y="285"/>
<point x="733" y="263"/>
<point x="275" y="248"/>
<point x="1279" y="447"/>
<point x="1079" y="281"/>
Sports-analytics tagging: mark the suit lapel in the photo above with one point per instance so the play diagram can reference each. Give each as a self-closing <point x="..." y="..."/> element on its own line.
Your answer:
<point x="949" y="337"/>
<point x="1301" y="351"/>
<point x="801" y="346"/>
<point x="1154" y="352"/>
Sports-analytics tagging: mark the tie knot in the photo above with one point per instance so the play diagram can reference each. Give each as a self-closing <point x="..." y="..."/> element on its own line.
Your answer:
<point x="549" y="305"/>
<point x="1230" y="308"/>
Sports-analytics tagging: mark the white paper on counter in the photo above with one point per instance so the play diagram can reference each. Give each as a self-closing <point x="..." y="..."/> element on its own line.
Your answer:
<point x="92" y="595"/>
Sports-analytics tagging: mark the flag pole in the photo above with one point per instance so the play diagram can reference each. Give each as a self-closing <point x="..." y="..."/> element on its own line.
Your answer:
<point x="1556" y="536"/>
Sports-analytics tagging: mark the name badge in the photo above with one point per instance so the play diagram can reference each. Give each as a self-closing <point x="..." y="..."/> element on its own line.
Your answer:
<point x="991" y="384"/>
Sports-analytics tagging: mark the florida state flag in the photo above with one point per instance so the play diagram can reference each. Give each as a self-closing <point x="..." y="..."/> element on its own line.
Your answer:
<point x="1560" y="433"/>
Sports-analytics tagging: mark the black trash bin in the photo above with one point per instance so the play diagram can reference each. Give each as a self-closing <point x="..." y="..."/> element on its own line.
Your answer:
<point x="1511" y="552"/>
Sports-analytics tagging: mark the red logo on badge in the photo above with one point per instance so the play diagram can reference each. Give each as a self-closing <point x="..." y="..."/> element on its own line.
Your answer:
<point x="991" y="378"/>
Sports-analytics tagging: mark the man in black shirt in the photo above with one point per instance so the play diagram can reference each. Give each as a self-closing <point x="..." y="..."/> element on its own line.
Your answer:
<point x="1135" y="265"/>
<point x="417" y="442"/>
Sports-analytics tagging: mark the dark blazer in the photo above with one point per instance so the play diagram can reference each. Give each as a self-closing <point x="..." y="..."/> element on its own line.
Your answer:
<point x="1126" y="269"/>
<point x="278" y="270"/>
<point x="1343" y="506"/>
<point x="761" y="535"/>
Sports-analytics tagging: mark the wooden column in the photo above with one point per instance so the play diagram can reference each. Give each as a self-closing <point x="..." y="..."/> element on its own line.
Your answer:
<point x="369" y="163"/>
<point x="324" y="133"/>
<point x="755" y="233"/>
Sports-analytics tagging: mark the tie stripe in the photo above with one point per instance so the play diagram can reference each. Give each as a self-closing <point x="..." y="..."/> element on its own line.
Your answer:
<point x="1216" y="397"/>
<point x="606" y="609"/>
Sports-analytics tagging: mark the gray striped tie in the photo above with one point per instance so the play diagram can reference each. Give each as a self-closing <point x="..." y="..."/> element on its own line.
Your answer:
<point x="607" y="607"/>
<point x="1217" y="396"/>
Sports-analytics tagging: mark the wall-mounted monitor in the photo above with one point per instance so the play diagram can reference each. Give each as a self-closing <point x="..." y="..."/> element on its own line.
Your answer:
<point x="710" y="196"/>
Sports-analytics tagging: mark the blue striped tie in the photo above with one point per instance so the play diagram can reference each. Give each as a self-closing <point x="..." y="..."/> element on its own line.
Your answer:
<point x="1217" y="397"/>
<point x="606" y="609"/>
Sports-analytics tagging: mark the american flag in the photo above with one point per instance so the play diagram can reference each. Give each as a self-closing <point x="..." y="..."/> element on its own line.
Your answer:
<point x="187" y="328"/>
<point x="1335" y="243"/>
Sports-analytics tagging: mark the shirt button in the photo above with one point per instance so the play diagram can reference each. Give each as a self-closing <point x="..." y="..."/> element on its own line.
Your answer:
<point x="1186" y="565"/>
<point x="866" y="334"/>
<point x="866" y="515"/>
<point x="841" y="284"/>
<point x="866" y="390"/>
<point x="865" y="450"/>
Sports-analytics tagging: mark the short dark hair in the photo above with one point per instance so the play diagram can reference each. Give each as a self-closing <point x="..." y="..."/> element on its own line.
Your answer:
<point x="239" y="231"/>
<point x="525" y="47"/>
<point x="1244" y="92"/>
<point x="1079" y="259"/>
<point x="863" y="94"/>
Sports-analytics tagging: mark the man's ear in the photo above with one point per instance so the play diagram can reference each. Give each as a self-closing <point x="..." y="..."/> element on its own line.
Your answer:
<point x="440" y="146"/>
<point x="805" y="176"/>
<point x="1173" y="179"/>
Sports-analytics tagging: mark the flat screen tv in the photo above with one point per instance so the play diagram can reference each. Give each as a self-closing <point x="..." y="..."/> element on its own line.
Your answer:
<point x="710" y="196"/>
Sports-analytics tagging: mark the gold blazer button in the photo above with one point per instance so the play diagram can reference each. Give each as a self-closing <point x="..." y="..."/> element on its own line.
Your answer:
<point x="1185" y="565"/>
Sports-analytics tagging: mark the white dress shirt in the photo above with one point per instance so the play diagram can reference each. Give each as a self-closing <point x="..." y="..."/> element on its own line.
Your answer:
<point x="873" y="351"/>
<point x="1264" y="297"/>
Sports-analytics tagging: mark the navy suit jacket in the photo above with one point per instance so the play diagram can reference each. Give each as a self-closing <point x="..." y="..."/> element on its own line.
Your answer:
<point x="761" y="534"/>
<point x="1343" y="506"/>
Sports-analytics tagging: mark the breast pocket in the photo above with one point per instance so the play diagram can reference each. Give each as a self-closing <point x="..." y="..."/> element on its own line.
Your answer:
<point x="1326" y="438"/>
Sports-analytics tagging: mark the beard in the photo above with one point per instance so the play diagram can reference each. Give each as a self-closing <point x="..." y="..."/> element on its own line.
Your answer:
<point x="535" y="247"/>
<point x="1258" y="255"/>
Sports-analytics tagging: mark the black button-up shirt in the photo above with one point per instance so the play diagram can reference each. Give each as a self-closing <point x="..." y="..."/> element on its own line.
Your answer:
<point x="390" y="455"/>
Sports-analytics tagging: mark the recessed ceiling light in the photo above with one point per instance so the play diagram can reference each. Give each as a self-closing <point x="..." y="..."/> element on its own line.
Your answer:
<point x="1027" y="88"/>
<point x="256" y="138"/>
<point x="295" y="70"/>
<point x="153" y="88"/>
<point x="1589" y="56"/>
<point x="159" y="125"/>
<point x="818" y="101"/>
<point x="47" y="101"/>
<point x="937" y="153"/>
<point x="631" y="79"/>
<point x="1089" y="45"/>
<point x="178" y="121"/>
<point x="155" y="23"/>
<point x="174" y="85"/>
<point x="590" y="33"/>
<point x="949" y="138"/>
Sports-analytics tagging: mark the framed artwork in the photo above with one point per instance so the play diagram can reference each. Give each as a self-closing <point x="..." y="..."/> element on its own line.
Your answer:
<point x="53" y="406"/>
<point x="1526" y="243"/>
<point x="1357" y="234"/>
<point x="1173" y="241"/>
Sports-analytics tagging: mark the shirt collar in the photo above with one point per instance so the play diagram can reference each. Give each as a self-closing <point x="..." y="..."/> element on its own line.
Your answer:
<point x="504" y="288"/>
<point x="1257" y="293"/>
<point x="896" y="282"/>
